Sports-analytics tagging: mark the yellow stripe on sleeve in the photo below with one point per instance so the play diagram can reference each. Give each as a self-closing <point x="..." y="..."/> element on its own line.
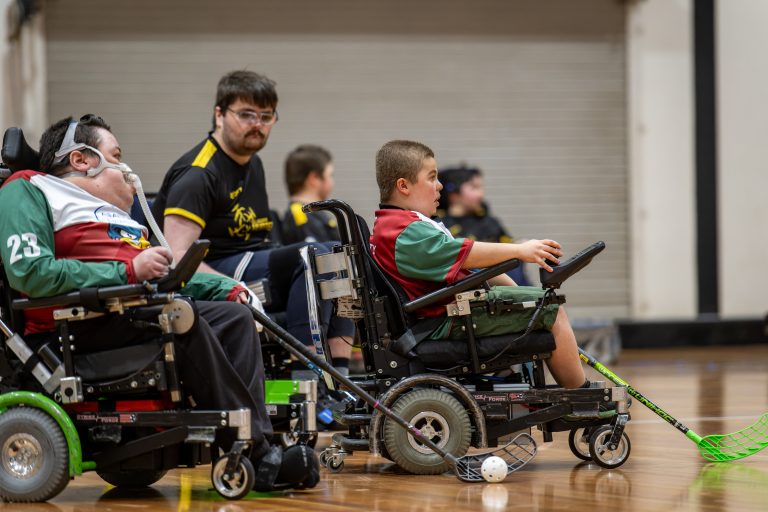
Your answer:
<point x="187" y="215"/>
<point x="205" y="154"/>
<point x="299" y="217"/>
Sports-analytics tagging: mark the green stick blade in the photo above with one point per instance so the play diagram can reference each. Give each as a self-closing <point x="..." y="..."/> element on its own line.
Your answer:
<point x="745" y="442"/>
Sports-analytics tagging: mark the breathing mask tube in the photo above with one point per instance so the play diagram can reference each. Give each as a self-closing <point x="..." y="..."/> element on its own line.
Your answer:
<point x="133" y="178"/>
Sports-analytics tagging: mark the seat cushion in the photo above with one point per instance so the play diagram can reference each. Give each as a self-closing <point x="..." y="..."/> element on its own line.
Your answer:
<point x="117" y="362"/>
<point x="449" y="353"/>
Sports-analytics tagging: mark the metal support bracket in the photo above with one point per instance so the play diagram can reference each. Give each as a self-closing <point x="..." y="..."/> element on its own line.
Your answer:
<point x="461" y="305"/>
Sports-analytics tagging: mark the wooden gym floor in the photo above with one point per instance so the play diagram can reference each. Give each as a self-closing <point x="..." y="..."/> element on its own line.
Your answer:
<point x="712" y="390"/>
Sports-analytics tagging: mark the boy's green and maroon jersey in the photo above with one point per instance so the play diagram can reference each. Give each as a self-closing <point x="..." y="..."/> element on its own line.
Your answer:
<point x="419" y="253"/>
<point x="56" y="238"/>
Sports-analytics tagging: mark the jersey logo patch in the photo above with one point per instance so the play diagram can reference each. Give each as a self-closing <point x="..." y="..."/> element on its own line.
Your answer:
<point x="247" y="222"/>
<point x="132" y="236"/>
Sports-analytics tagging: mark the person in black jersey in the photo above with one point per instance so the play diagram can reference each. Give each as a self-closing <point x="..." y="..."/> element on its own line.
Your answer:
<point x="309" y="178"/>
<point x="217" y="191"/>
<point x="465" y="213"/>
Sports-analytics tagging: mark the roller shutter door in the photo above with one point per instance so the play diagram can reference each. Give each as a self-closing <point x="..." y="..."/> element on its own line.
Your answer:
<point x="531" y="92"/>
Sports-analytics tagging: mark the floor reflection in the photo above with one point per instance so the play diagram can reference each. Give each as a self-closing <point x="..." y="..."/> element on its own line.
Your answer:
<point x="30" y="507"/>
<point x="722" y="486"/>
<point x="711" y="396"/>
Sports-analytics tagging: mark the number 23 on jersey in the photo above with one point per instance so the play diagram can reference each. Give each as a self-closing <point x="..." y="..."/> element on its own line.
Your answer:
<point x="24" y="245"/>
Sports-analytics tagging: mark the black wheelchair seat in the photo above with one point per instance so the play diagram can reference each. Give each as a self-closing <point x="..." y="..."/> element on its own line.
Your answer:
<point x="441" y="354"/>
<point x="116" y="363"/>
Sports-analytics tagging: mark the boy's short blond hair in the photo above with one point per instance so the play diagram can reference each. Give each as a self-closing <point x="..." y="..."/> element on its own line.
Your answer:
<point x="399" y="159"/>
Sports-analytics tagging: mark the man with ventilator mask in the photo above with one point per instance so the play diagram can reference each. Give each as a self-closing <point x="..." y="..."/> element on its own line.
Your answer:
<point x="67" y="228"/>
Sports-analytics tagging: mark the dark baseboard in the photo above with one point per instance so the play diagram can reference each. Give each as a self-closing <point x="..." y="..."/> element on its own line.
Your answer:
<point x="702" y="332"/>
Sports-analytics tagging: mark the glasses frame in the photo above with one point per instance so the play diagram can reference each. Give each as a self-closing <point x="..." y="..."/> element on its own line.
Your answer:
<point x="253" y="118"/>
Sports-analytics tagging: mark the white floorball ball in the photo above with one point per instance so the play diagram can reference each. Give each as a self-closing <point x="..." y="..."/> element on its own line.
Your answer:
<point x="494" y="469"/>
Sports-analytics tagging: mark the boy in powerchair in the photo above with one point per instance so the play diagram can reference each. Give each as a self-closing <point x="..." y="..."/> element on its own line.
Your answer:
<point x="422" y="255"/>
<point x="73" y="231"/>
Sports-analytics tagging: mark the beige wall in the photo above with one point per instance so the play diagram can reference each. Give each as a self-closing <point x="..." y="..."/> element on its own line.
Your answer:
<point x="532" y="92"/>
<point x="661" y="165"/>
<point x="662" y="173"/>
<point x="742" y="94"/>
<point x="22" y="81"/>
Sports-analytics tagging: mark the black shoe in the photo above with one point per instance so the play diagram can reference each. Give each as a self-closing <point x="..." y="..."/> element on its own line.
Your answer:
<point x="296" y="467"/>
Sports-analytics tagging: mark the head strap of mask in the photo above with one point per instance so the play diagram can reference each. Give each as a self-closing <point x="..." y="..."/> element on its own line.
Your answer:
<point x="68" y="145"/>
<point x="103" y="164"/>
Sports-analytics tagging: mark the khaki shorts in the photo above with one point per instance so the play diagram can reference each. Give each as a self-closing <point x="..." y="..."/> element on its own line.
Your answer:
<point x="501" y="323"/>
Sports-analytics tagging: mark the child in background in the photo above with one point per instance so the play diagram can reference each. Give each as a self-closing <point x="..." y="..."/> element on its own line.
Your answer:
<point x="465" y="213"/>
<point x="309" y="178"/>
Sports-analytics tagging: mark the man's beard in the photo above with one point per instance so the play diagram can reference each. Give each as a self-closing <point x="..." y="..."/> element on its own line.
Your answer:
<point x="248" y="144"/>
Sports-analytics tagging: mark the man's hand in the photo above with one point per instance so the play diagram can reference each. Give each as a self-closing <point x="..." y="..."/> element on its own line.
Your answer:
<point x="151" y="263"/>
<point x="539" y="251"/>
<point x="244" y="295"/>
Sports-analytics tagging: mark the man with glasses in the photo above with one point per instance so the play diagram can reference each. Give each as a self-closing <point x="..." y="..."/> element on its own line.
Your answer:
<point x="217" y="191"/>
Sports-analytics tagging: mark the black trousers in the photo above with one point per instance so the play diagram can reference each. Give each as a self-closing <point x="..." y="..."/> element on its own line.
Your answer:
<point x="219" y="360"/>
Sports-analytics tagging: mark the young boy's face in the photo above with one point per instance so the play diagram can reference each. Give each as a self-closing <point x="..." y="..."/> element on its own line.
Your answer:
<point x="425" y="193"/>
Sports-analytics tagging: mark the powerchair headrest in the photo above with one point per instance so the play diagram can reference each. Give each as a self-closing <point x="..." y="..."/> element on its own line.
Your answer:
<point x="16" y="153"/>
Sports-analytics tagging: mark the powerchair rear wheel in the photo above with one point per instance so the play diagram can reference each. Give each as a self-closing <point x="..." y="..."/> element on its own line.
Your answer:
<point x="34" y="456"/>
<point x="440" y="417"/>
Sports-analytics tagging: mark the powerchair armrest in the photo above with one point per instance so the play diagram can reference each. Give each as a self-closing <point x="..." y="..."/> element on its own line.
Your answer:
<point x="84" y="296"/>
<point x="473" y="281"/>
<point x="93" y="298"/>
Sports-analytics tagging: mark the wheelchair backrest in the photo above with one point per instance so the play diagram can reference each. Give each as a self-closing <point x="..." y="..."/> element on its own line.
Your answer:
<point x="14" y="319"/>
<point x="382" y="297"/>
<point x="385" y="288"/>
<point x="16" y="155"/>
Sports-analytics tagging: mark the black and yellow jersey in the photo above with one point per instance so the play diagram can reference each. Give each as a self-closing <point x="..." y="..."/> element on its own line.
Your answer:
<point x="481" y="226"/>
<point x="227" y="200"/>
<point x="478" y="226"/>
<point x="308" y="227"/>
